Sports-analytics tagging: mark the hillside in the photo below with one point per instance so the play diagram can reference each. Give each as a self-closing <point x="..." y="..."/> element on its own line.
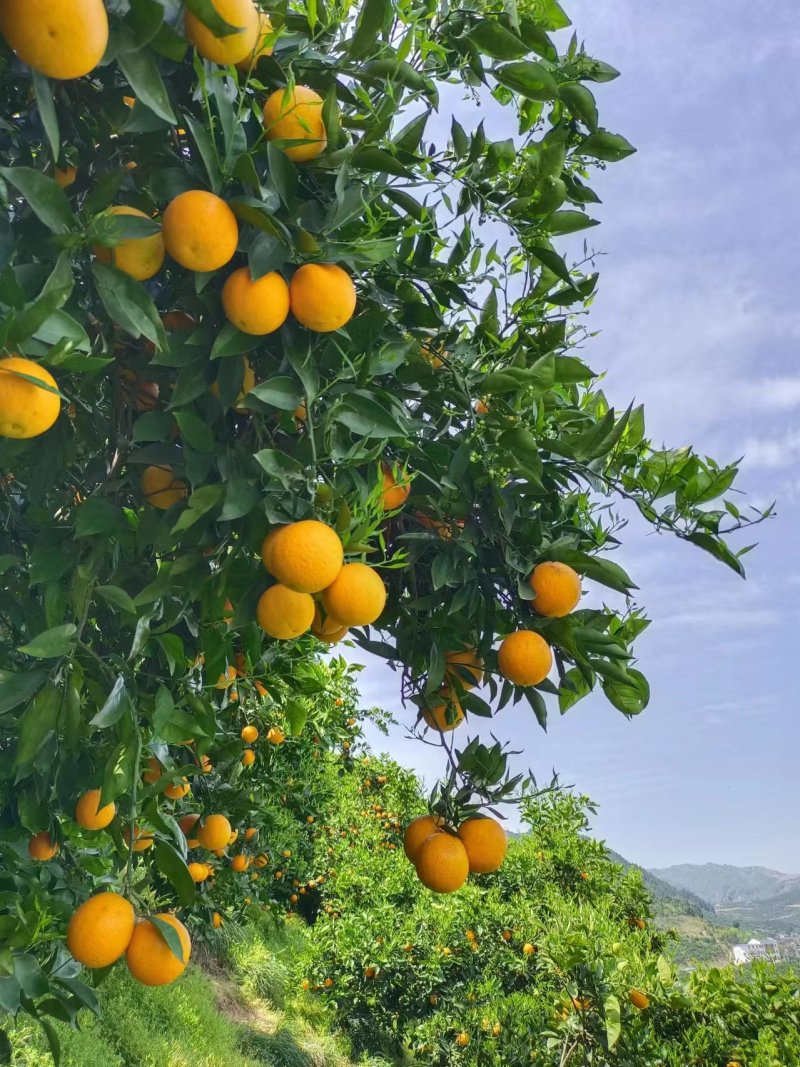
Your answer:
<point x="725" y="884"/>
<point x="667" y="897"/>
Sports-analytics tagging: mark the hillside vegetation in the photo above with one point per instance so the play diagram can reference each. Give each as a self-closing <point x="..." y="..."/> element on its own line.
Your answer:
<point x="721" y="883"/>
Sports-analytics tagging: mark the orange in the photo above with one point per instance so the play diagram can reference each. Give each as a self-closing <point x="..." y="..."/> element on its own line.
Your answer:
<point x="256" y="307"/>
<point x="141" y="395"/>
<point x="307" y="556"/>
<point x="356" y="597"/>
<point x="141" y="257"/>
<point x="261" y="47"/>
<point x="226" y="680"/>
<point x="234" y="835"/>
<point x="284" y="613"/>
<point x="177" y="790"/>
<point x="41" y="847"/>
<point x="198" y="871"/>
<point x="296" y="115"/>
<point x="525" y="658"/>
<point x="276" y="736"/>
<point x="639" y="999"/>
<point x="327" y="630"/>
<point x="100" y="930"/>
<point x="187" y="824"/>
<point x="240" y="863"/>
<point x="206" y="765"/>
<point x="26" y="409"/>
<point x="322" y="297"/>
<point x="445" y="713"/>
<point x="65" y="176"/>
<point x="248" y="757"/>
<point x="200" y="231"/>
<point x="161" y="488"/>
<point x="249" y="734"/>
<point x="417" y="831"/>
<point x="467" y="668"/>
<point x="528" y="949"/>
<point x="486" y="843"/>
<point x="433" y="354"/>
<point x="214" y="832"/>
<point x="557" y="588"/>
<point x="462" y="1039"/>
<point x="142" y="839"/>
<point x="268" y="547"/>
<point x="394" y="493"/>
<point x="150" y="959"/>
<point x="233" y="48"/>
<point x="250" y="833"/>
<point x="60" y="38"/>
<point x="300" y="413"/>
<point x="216" y="920"/>
<point x="153" y="772"/>
<point x="90" y="815"/>
<point x="442" y="863"/>
<point x="480" y="407"/>
<point x="248" y="381"/>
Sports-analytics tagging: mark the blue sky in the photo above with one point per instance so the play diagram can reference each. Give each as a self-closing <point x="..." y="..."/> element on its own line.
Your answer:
<point x="699" y="319"/>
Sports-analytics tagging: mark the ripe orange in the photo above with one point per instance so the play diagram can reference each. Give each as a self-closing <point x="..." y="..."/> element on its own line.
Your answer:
<point x="187" y="824"/>
<point x="445" y="712"/>
<point x="42" y="848"/>
<point x="486" y="843"/>
<point x="433" y="354"/>
<point x="528" y="949"/>
<point x="256" y="307"/>
<point x="60" y="38"/>
<point x="295" y="115"/>
<point x="142" y="839"/>
<point x="557" y="588"/>
<point x="65" y="176"/>
<point x="261" y="48"/>
<point x="284" y="613"/>
<point x="248" y="757"/>
<point x="276" y="736"/>
<point x="235" y="47"/>
<point x="249" y="734"/>
<point x="307" y="556"/>
<point x="153" y="772"/>
<point x="26" y="409"/>
<point x="217" y="920"/>
<point x="200" y="231"/>
<point x="240" y="863"/>
<point x="250" y="833"/>
<point x="268" y="547"/>
<point x="462" y="1039"/>
<point x="327" y="630"/>
<point x="234" y="835"/>
<point x="417" y="831"/>
<point x="206" y="765"/>
<point x="177" y="790"/>
<point x="394" y="493"/>
<point x="322" y="297"/>
<point x="141" y="257"/>
<point x="100" y="930"/>
<point x="198" y="871"/>
<point x="525" y="658"/>
<point x="149" y="957"/>
<point x="214" y="832"/>
<point x="480" y="407"/>
<point x="466" y="667"/>
<point x="356" y="597"/>
<point x="161" y="488"/>
<point x="639" y="999"/>
<point x="442" y="863"/>
<point x="90" y="815"/>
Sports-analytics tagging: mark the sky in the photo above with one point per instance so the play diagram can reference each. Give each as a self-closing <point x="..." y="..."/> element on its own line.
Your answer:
<point x="697" y="317"/>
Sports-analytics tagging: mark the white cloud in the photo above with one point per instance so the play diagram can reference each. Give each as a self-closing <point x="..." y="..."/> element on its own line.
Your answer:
<point x="772" y="451"/>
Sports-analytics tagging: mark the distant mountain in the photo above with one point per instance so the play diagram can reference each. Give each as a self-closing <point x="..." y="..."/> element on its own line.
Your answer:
<point x="722" y="884"/>
<point x="668" y="896"/>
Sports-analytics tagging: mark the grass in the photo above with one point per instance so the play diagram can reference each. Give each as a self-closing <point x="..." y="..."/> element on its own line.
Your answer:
<point x="233" y="1011"/>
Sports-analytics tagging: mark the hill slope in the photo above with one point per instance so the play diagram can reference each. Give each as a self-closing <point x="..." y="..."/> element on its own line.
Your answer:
<point x="724" y="884"/>
<point x="672" y="898"/>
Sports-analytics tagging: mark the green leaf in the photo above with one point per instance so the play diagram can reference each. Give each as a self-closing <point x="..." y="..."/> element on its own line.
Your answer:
<point x="207" y="149"/>
<point x="141" y="70"/>
<point x="122" y="766"/>
<point x="613" y="1019"/>
<point x="378" y="161"/>
<point x="611" y="147"/>
<point x="230" y="342"/>
<point x="409" y="138"/>
<point x="553" y="261"/>
<point x="581" y="103"/>
<point x="44" y="91"/>
<point x="266" y="254"/>
<point x="283" y="174"/>
<point x="201" y="502"/>
<point x="368" y="418"/>
<point x="374" y="16"/>
<point x="97" y="516"/>
<point x="494" y="40"/>
<point x="195" y="431"/>
<point x="129" y="304"/>
<point x="114" y="707"/>
<point x="277" y="463"/>
<point x="5" y="1048"/>
<point x="38" y="723"/>
<point x="52" y="643"/>
<point x="574" y="687"/>
<point x="46" y="198"/>
<point x="173" y="866"/>
<point x="15" y="689"/>
<point x="459" y="138"/>
<point x="279" y="392"/>
<point x="116" y="596"/>
<point x="55" y="293"/>
<point x="60" y="326"/>
<point x="30" y="975"/>
<point x="563" y="222"/>
<point x="296" y="717"/>
<point x="170" y="935"/>
<point x="528" y="78"/>
<point x="206" y="11"/>
<point x="631" y="697"/>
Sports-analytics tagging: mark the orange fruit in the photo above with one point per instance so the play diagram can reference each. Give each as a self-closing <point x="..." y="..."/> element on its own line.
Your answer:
<point x="187" y="824"/>
<point x="42" y="848"/>
<point x="65" y="176"/>
<point x="233" y="836"/>
<point x="256" y="307"/>
<point x="276" y="736"/>
<point x="322" y="297"/>
<point x="307" y="556"/>
<point x="639" y="999"/>
<point x="233" y="48"/>
<point x="198" y="871"/>
<point x="240" y="863"/>
<point x="150" y="959"/>
<point x="100" y="930"/>
<point x="300" y="413"/>
<point x="480" y="407"/>
<point x="524" y="658"/>
<point x="60" y="38"/>
<point x="445" y="712"/>
<point x="296" y="115"/>
<point x="250" y="833"/>
<point x="200" y="231"/>
<point x="177" y="790"/>
<point x="141" y="257"/>
<point x="557" y="588"/>
<point x="136" y="392"/>
<point x="466" y="667"/>
<point x="249" y="734"/>
<point x="26" y="409"/>
<point x="462" y="1039"/>
<point x="486" y="843"/>
<point x="284" y="613"/>
<point x="142" y="839"/>
<point x="394" y="493"/>
<point x="226" y="680"/>
<point x="206" y="765"/>
<point x="268" y="547"/>
<point x="248" y="381"/>
<point x="90" y="815"/>
<point x="153" y="772"/>
<point x="214" y="832"/>
<point x="327" y="630"/>
<point x="356" y="597"/>
<point x="161" y="488"/>
<point x="442" y="863"/>
<point x="261" y="47"/>
<point x="419" y="830"/>
<point x="217" y="920"/>
<point x="433" y="354"/>
<point x="248" y="757"/>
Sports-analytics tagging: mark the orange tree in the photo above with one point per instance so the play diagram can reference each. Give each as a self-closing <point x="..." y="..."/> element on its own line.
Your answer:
<point x="245" y="287"/>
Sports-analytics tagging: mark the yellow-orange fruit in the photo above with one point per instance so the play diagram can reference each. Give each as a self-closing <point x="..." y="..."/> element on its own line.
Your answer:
<point x="234" y="47"/>
<point x="327" y="630"/>
<point x="100" y="930"/>
<point x="214" y="832"/>
<point x="268" y="547"/>
<point x="442" y="863"/>
<point x="255" y="307"/>
<point x="296" y="115"/>
<point x="356" y="597"/>
<point x="250" y="833"/>
<point x="142" y="839"/>
<point x="65" y="176"/>
<point x="248" y="757"/>
<point x="150" y="959"/>
<point x="307" y="556"/>
<point x="419" y="830"/>
<point x="283" y="613"/>
<point x="240" y="863"/>
<point x="42" y="848"/>
<point x="161" y="488"/>
<point x="26" y="409"/>
<point x="322" y="297"/>
<point x="525" y="658"/>
<point x="226" y="680"/>
<point x="639" y="999"/>
<point x="394" y="493"/>
<point x="557" y="588"/>
<point x="486" y="843"/>
<point x="466" y="666"/>
<point x="198" y="871"/>
<point x="63" y="39"/>
<point x="141" y="257"/>
<point x="217" y="920"/>
<point x="261" y="48"/>
<point x="200" y="231"/>
<point x="445" y="712"/>
<point x="177" y="790"/>
<point x="249" y="734"/>
<point x="90" y="815"/>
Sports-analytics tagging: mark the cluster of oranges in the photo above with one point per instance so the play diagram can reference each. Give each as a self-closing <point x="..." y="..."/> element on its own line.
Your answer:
<point x="443" y="860"/>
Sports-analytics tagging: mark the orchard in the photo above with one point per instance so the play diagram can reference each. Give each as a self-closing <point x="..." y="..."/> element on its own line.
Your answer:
<point x="291" y="356"/>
